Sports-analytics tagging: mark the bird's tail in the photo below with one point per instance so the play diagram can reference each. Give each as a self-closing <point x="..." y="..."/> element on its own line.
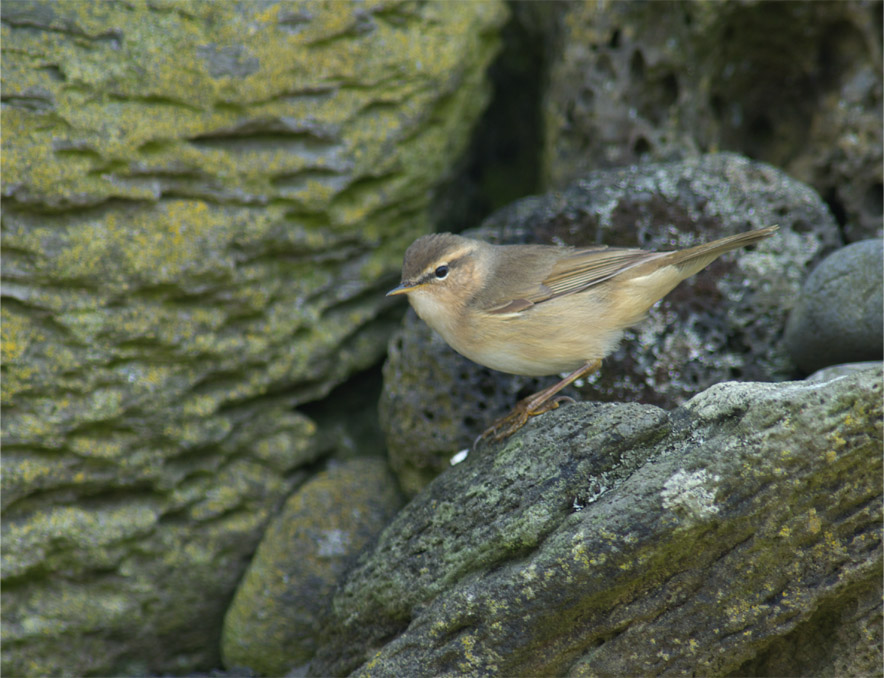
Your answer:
<point x="695" y="259"/>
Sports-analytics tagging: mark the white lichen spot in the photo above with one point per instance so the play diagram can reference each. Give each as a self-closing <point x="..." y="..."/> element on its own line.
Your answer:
<point x="529" y="574"/>
<point x="691" y="494"/>
<point x="333" y="543"/>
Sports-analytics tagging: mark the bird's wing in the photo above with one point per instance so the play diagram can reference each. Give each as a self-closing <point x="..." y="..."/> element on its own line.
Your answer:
<point x="586" y="268"/>
<point x="570" y="274"/>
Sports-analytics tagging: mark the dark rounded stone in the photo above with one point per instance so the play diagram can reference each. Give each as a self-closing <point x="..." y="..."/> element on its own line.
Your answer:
<point x="838" y="318"/>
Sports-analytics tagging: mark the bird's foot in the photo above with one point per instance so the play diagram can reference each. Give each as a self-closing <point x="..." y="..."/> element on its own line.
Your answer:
<point x="526" y="408"/>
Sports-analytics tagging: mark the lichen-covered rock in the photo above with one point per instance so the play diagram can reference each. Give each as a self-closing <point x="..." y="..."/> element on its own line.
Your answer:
<point x="273" y="623"/>
<point x="619" y="539"/>
<point x="798" y="85"/>
<point x="202" y="205"/>
<point x="839" y="317"/>
<point x="723" y="323"/>
<point x="841" y="370"/>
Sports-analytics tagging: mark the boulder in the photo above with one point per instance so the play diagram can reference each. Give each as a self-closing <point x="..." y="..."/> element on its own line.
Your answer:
<point x="273" y="623"/>
<point x="839" y="317"/>
<point x="720" y="538"/>
<point x="202" y="206"/>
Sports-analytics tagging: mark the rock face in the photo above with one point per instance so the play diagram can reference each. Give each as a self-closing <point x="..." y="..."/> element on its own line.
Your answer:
<point x="273" y="623"/>
<point x="202" y="205"/>
<point x="839" y="316"/>
<point x="723" y="323"/>
<point x="797" y="85"/>
<point x="619" y="539"/>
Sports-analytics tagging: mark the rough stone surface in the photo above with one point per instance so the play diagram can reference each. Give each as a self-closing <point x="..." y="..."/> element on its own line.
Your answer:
<point x="841" y="370"/>
<point x="795" y="84"/>
<point x="842" y="638"/>
<point x="724" y="323"/>
<point x="619" y="539"/>
<point x="202" y="204"/>
<point x="273" y="622"/>
<point x="839" y="316"/>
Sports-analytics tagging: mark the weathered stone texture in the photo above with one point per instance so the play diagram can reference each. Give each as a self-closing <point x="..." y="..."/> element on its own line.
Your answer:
<point x="795" y="84"/>
<point x="202" y="202"/>
<point x="621" y="539"/>
<point x="839" y="315"/>
<point x="275" y="618"/>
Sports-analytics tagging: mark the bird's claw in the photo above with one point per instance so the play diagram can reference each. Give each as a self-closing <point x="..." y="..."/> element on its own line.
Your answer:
<point x="525" y="409"/>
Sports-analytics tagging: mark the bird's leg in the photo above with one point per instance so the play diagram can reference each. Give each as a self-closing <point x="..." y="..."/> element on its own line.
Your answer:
<point x="540" y="402"/>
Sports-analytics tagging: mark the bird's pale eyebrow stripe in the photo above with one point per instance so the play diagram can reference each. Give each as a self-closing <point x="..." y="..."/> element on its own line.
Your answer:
<point x="451" y="261"/>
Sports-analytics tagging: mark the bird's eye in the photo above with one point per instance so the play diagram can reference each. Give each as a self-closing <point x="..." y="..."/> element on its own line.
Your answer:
<point x="442" y="272"/>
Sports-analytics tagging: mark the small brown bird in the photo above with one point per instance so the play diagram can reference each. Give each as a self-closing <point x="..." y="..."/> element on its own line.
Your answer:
<point x="537" y="310"/>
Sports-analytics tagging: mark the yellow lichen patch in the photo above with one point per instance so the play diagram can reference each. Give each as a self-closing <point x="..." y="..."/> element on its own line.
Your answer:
<point x="146" y="378"/>
<point x="17" y="333"/>
<point x="96" y="447"/>
<point x="814" y="524"/>
<point x="165" y="243"/>
<point x="529" y="574"/>
<point x="25" y="472"/>
<point x="474" y="661"/>
<point x="837" y="440"/>
<point x="371" y="663"/>
<point x="218" y="500"/>
<point x="25" y="541"/>
<point x="200" y="405"/>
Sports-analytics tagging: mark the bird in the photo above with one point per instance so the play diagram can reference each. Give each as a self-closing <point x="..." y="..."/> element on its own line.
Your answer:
<point x="539" y="310"/>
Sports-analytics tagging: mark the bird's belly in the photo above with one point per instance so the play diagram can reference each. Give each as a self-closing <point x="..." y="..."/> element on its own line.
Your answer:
<point x="512" y="360"/>
<point x="535" y="349"/>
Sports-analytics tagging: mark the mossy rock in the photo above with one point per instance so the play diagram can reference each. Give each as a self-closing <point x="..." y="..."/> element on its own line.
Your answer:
<point x="620" y="539"/>
<point x="202" y="205"/>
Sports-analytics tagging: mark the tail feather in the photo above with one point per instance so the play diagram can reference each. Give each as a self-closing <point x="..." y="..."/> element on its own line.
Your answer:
<point x="660" y="274"/>
<point x="695" y="259"/>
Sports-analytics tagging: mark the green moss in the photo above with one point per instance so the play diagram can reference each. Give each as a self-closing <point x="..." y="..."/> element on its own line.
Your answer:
<point x="202" y="203"/>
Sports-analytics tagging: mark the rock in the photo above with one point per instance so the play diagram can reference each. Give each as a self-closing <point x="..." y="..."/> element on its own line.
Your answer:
<point x="724" y="323"/>
<point x="202" y="207"/>
<point x="273" y="622"/>
<point x="619" y="539"/>
<point x="842" y="370"/>
<point x="839" y="317"/>
<point x="797" y="85"/>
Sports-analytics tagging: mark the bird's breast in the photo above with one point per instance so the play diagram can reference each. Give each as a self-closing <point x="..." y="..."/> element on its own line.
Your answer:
<point x="549" y="338"/>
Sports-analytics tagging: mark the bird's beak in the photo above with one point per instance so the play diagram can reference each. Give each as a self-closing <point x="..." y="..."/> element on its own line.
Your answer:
<point x="402" y="288"/>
